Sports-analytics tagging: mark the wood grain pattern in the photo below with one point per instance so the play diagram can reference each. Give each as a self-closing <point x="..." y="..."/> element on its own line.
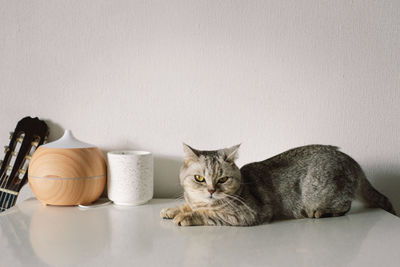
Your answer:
<point x="67" y="176"/>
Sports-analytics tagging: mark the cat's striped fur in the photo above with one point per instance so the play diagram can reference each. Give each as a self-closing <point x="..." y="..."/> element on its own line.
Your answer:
<point x="306" y="182"/>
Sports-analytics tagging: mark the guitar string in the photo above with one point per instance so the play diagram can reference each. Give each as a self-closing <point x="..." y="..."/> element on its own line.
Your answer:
<point x="10" y="196"/>
<point x="10" y="199"/>
<point x="5" y="196"/>
<point x="4" y="200"/>
<point x="7" y="200"/>
<point x="14" y="187"/>
<point x="3" y="182"/>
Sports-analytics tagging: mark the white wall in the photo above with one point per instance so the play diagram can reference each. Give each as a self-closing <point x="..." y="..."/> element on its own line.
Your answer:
<point x="152" y="74"/>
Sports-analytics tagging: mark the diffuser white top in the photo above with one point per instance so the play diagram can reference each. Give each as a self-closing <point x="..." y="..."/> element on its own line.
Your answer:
<point x="68" y="141"/>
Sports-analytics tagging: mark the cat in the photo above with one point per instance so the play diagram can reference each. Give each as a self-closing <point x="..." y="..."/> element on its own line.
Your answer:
<point x="311" y="181"/>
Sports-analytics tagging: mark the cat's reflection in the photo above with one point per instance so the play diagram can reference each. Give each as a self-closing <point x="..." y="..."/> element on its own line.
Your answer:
<point x="307" y="242"/>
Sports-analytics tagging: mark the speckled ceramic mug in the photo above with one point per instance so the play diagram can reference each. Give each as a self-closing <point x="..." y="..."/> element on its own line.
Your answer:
<point x="130" y="177"/>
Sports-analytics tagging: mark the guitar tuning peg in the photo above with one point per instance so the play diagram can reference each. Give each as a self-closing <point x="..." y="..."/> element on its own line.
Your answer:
<point x="45" y="139"/>
<point x="6" y="149"/>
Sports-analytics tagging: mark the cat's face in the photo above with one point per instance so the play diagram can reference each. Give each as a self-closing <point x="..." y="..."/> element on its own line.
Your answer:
<point x="208" y="176"/>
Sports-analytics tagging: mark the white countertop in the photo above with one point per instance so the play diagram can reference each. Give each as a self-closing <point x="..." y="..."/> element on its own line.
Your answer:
<point x="37" y="235"/>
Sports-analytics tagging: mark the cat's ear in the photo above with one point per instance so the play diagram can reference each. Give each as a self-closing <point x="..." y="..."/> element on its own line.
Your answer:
<point x="190" y="154"/>
<point x="231" y="153"/>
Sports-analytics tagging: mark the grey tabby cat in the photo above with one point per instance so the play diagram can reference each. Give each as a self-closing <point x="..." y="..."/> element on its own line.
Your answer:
<point x="306" y="182"/>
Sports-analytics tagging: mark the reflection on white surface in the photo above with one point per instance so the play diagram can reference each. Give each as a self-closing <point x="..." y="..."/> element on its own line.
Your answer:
<point x="332" y="242"/>
<point x="131" y="235"/>
<point x="33" y="234"/>
<point x="67" y="238"/>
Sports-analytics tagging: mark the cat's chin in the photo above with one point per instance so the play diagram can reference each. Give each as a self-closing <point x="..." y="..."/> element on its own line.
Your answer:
<point x="212" y="199"/>
<point x="208" y="201"/>
<point x="205" y="200"/>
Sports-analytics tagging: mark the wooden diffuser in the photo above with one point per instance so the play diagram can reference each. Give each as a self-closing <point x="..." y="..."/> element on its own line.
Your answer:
<point x="67" y="172"/>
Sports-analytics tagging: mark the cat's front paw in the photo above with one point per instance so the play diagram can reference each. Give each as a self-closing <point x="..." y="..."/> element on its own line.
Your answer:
<point x="168" y="213"/>
<point x="186" y="219"/>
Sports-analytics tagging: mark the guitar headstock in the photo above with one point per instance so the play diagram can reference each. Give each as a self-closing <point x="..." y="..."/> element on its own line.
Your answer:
<point x="27" y="136"/>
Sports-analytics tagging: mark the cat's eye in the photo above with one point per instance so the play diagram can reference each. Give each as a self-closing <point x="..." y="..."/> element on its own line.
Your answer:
<point x="223" y="180"/>
<point x="199" y="178"/>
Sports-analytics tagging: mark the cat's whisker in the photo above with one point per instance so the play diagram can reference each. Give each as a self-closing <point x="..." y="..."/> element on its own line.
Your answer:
<point x="237" y="198"/>
<point x="205" y="209"/>
<point x="179" y="195"/>
<point x="235" y="208"/>
<point x="231" y="204"/>
<point x="178" y="198"/>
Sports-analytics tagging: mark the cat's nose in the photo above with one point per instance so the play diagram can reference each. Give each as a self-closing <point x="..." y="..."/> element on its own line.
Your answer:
<point x="211" y="191"/>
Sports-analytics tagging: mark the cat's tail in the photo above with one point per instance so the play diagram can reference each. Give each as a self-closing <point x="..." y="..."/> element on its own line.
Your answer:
<point x="370" y="196"/>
